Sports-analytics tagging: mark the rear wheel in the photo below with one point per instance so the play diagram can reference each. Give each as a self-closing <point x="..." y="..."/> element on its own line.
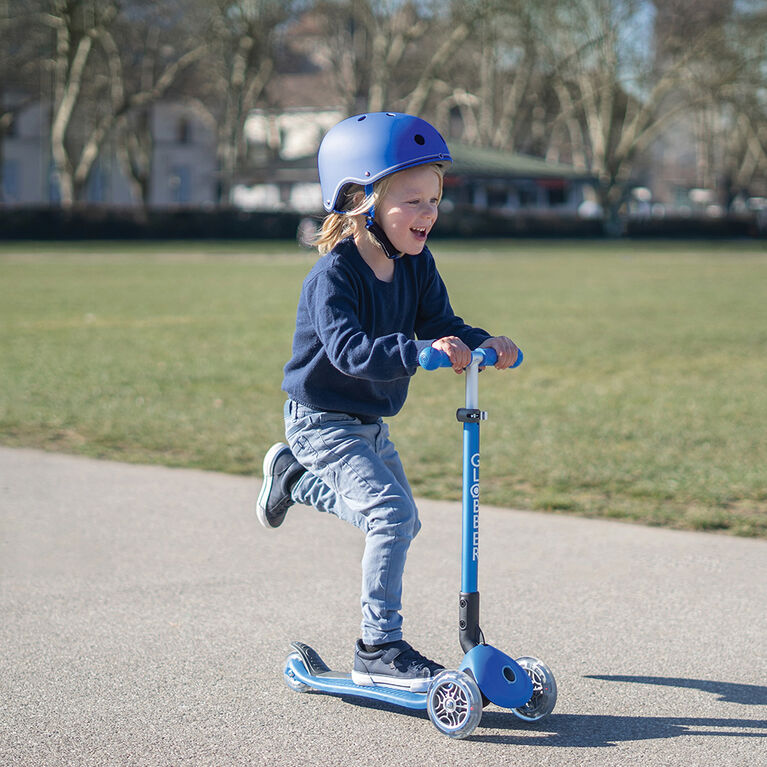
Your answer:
<point x="290" y="678"/>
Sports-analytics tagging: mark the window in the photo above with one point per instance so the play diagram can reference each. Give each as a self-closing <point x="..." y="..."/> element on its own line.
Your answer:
<point x="180" y="183"/>
<point x="528" y="195"/>
<point x="11" y="181"/>
<point x="183" y="131"/>
<point x="555" y="190"/>
<point x="557" y="196"/>
<point x="497" y="196"/>
<point x="95" y="190"/>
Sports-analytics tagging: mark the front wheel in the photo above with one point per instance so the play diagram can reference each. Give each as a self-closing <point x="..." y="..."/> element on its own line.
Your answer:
<point x="454" y="704"/>
<point x="544" y="691"/>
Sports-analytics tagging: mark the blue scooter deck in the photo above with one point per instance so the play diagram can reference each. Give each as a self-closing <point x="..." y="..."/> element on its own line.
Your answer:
<point x="337" y="683"/>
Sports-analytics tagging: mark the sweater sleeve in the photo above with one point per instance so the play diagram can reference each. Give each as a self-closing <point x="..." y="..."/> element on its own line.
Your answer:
<point x="333" y="306"/>
<point x="436" y="318"/>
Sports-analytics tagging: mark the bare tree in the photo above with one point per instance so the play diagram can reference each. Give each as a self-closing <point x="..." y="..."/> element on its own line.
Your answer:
<point x="391" y="54"/>
<point x="242" y="53"/>
<point x="161" y="44"/>
<point x="615" y="95"/>
<point x="363" y="43"/>
<point x="738" y="104"/>
<point x="489" y="81"/>
<point x="738" y="144"/>
<point x="91" y="88"/>
<point x="77" y="25"/>
<point x="452" y="37"/>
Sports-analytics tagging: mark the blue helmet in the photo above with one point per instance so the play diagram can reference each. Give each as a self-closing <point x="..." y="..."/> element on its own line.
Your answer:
<point x="365" y="148"/>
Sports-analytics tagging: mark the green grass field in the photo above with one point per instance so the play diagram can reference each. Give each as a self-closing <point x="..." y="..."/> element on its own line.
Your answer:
<point x="643" y="395"/>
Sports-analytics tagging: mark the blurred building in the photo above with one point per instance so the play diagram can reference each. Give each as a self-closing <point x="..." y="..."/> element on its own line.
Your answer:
<point x="180" y="162"/>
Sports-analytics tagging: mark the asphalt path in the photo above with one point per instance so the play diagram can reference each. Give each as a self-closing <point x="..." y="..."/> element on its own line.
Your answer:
<point x="145" y="617"/>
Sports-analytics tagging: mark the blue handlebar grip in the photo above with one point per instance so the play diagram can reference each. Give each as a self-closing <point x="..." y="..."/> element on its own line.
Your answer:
<point x="431" y="358"/>
<point x="489" y="356"/>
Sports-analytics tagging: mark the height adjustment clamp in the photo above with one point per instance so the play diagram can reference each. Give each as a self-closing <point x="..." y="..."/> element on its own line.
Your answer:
<point x="470" y="415"/>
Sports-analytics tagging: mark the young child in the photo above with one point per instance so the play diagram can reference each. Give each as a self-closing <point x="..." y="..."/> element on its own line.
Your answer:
<point x="374" y="291"/>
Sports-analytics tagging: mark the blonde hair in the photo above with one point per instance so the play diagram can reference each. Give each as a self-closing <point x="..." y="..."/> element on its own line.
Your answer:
<point x="337" y="226"/>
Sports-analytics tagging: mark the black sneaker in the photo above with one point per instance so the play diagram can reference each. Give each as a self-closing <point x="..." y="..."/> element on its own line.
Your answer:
<point x="281" y="471"/>
<point x="395" y="664"/>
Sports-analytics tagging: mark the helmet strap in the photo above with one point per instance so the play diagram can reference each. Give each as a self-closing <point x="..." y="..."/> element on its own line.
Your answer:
<point x="377" y="230"/>
<point x="378" y="233"/>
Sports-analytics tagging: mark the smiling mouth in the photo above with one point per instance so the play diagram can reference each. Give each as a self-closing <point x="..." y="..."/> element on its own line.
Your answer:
<point x="419" y="232"/>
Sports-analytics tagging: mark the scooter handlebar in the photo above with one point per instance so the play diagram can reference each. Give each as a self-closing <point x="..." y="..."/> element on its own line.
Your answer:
<point x="431" y="358"/>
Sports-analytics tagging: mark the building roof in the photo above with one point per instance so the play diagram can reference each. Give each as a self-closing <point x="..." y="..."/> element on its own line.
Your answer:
<point x="468" y="161"/>
<point x="478" y="161"/>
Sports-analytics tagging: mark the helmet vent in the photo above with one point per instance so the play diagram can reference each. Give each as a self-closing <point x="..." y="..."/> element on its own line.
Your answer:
<point x="360" y="119"/>
<point x="419" y="139"/>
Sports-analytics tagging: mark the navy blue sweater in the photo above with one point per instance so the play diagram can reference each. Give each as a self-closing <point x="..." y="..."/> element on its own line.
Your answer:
<point x="354" y="349"/>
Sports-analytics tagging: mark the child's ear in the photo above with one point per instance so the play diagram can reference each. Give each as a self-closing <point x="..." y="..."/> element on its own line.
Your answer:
<point x="355" y="196"/>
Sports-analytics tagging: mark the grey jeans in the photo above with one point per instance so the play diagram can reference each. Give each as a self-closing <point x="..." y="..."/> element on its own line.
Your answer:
<point x="355" y="473"/>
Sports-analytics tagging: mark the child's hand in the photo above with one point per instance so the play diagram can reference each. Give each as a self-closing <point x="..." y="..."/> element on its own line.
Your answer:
<point x="459" y="353"/>
<point x="505" y="348"/>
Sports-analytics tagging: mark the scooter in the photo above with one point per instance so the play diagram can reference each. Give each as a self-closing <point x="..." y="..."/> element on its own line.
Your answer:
<point x="454" y="699"/>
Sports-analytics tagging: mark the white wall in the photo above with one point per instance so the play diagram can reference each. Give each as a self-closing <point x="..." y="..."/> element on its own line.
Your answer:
<point x="25" y="158"/>
<point x="184" y="169"/>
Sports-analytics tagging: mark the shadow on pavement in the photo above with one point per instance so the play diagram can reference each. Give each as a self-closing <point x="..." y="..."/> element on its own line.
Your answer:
<point x="597" y="731"/>
<point x="746" y="694"/>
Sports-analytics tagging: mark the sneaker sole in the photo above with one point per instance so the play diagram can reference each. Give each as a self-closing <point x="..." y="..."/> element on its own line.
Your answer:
<point x="369" y="680"/>
<point x="266" y="486"/>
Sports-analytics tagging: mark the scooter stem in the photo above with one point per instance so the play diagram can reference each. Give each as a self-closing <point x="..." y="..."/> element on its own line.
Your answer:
<point x="470" y="416"/>
<point x="470" y="633"/>
<point x="430" y="359"/>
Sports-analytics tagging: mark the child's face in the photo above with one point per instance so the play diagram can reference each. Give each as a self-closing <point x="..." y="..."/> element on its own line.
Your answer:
<point x="408" y="210"/>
